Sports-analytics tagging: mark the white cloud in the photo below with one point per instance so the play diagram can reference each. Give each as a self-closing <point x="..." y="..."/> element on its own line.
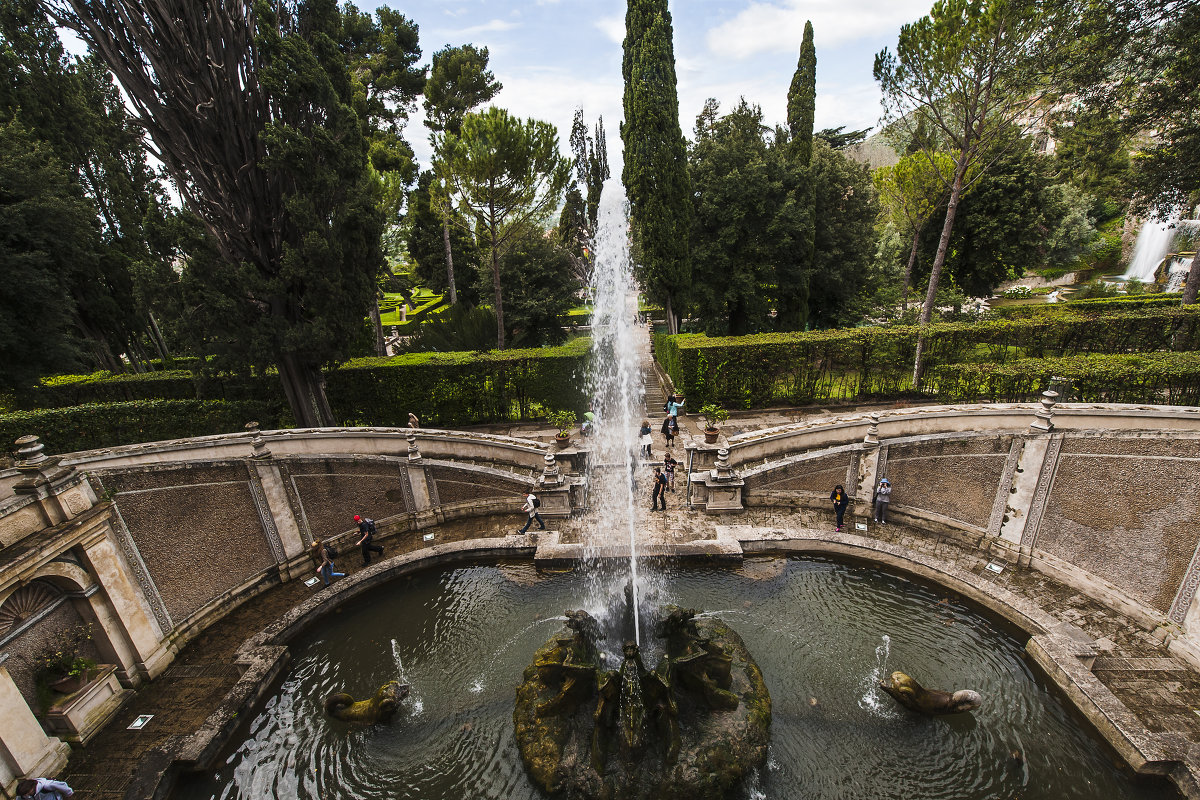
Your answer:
<point x="613" y="28"/>
<point x="491" y="26"/>
<point x="779" y="26"/>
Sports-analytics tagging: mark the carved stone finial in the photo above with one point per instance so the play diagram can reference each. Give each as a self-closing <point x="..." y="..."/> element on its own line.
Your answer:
<point x="1044" y="417"/>
<point x="414" y="453"/>
<point x="258" y="448"/>
<point x="413" y="422"/>
<point x="871" y="439"/>
<point x="30" y="457"/>
<point x="551" y="476"/>
<point x="721" y="470"/>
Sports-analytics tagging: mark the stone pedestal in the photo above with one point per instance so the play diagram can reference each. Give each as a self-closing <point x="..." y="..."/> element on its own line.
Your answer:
<point x="554" y="490"/>
<point x="722" y="486"/>
<point x="78" y="717"/>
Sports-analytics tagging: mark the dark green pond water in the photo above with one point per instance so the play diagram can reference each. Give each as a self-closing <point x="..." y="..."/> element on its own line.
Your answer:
<point x="822" y="632"/>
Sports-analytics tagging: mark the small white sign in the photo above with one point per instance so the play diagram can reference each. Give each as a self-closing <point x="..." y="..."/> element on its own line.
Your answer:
<point x="860" y="526"/>
<point x="140" y="722"/>
<point x="311" y="582"/>
<point x="428" y="537"/>
<point x="996" y="568"/>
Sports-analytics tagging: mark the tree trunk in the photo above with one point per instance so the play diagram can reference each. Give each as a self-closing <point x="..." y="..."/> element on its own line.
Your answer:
<point x="935" y="274"/>
<point x="377" y="324"/>
<point x="160" y="343"/>
<point x="499" y="300"/>
<point x="304" y="388"/>
<point x="912" y="259"/>
<point x="672" y="324"/>
<point x="1193" y="281"/>
<point x="449" y="257"/>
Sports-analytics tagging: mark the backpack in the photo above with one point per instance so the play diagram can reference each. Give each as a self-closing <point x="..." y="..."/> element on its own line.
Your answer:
<point x="370" y="525"/>
<point x="331" y="551"/>
<point x="537" y="503"/>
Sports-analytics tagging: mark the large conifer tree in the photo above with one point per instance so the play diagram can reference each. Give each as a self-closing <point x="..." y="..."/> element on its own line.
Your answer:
<point x="802" y="97"/>
<point x="655" y="170"/>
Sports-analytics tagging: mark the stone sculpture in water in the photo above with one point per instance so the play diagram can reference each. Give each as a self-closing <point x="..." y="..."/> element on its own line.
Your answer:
<point x="912" y="695"/>
<point x="691" y="727"/>
<point x="379" y="708"/>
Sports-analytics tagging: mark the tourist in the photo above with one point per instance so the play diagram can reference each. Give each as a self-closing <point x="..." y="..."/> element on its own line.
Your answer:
<point x="670" y="429"/>
<point x="589" y="423"/>
<point x="669" y="463"/>
<point x="883" y="496"/>
<point x="840" y="501"/>
<point x="325" y="569"/>
<point x="660" y="485"/>
<point x="675" y="405"/>
<point x="532" y="504"/>
<point x="367" y="528"/>
<point x="43" y="789"/>
<point x="645" y="438"/>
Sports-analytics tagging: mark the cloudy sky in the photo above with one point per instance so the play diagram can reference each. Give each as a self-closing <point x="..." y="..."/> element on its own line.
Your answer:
<point x="554" y="56"/>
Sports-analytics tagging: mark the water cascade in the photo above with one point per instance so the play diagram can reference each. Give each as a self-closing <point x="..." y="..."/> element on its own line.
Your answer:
<point x="1153" y="242"/>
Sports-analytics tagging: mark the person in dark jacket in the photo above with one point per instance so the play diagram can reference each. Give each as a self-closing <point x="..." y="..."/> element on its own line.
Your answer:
<point x="840" y="501"/>
<point x="366" y="527"/>
<point x="660" y="488"/>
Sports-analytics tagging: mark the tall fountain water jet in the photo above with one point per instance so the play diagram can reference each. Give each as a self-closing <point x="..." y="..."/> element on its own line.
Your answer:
<point x="615" y="386"/>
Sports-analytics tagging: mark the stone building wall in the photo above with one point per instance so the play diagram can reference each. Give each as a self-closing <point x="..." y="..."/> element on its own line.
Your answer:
<point x="954" y="478"/>
<point x="56" y="629"/>
<point x="460" y="486"/>
<point x="198" y="530"/>
<point x="331" y="491"/>
<point x="1125" y="509"/>
<point x="812" y="475"/>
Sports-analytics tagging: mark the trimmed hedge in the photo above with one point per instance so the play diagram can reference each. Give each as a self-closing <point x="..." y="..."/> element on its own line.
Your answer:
<point x="460" y="388"/>
<point x="105" y="387"/>
<point x="876" y="362"/>
<point x="1157" y="378"/>
<point x="1092" y="304"/>
<point x="66" y="430"/>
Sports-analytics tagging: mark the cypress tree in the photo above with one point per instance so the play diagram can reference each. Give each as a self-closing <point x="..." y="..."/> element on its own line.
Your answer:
<point x="802" y="97"/>
<point x="655" y="169"/>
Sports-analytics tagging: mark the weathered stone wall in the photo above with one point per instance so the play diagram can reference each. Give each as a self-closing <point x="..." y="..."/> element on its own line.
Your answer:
<point x="460" y="486"/>
<point x="197" y="529"/>
<point x="955" y="478"/>
<point x="812" y="475"/>
<point x="1125" y="509"/>
<point x="331" y="491"/>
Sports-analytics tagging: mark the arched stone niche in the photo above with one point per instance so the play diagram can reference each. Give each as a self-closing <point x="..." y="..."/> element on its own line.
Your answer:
<point x="38" y="618"/>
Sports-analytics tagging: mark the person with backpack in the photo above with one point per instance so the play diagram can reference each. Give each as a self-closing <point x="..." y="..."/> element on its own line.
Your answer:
<point x="669" y="464"/>
<point x="323" y="554"/>
<point x="366" y="527"/>
<point x="840" y="501"/>
<point x="43" y="789"/>
<point x="670" y="429"/>
<point x="532" y="504"/>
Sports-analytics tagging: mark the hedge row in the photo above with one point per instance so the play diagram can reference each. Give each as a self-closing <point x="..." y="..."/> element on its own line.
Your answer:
<point x="876" y="362"/>
<point x="460" y="388"/>
<point x="66" y="430"/>
<point x="1092" y="304"/>
<point x="1157" y="378"/>
<point x="106" y="387"/>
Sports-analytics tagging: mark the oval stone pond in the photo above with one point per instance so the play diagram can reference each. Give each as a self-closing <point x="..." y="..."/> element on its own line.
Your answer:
<point x="823" y="633"/>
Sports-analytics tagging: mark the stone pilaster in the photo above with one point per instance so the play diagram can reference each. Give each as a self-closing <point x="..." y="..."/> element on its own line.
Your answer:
<point x="723" y="487"/>
<point x="1030" y="489"/>
<point x="25" y="749"/>
<point x="867" y="474"/>
<point x="129" y="624"/>
<point x="61" y="492"/>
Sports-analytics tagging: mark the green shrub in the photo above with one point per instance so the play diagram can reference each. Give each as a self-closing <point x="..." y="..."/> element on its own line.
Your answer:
<point x="105" y="387"/>
<point x="876" y="362"/>
<point x="460" y="388"/>
<point x="1092" y="305"/>
<point x="86" y="427"/>
<point x="1158" y="378"/>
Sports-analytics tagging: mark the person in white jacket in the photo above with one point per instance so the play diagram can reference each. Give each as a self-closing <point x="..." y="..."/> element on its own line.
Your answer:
<point x="883" y="496"/>
<point x="43" y="789"/>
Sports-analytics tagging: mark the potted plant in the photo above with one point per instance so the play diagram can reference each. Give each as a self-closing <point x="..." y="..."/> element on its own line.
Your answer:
<point x="564" y="421"/>
<point x="60" y="667"/>
<point x="713" y="415"/>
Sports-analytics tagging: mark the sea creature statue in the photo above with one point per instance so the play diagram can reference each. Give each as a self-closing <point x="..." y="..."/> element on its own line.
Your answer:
<point x="912" y="695"/>
<point x="692" y="727"/>
<point x="379" y="708"/>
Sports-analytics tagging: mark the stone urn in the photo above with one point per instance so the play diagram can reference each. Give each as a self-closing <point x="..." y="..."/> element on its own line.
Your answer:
<point x="563" y="440"/>
<point x="80" y="715"/>
<point x="710" y="435"/>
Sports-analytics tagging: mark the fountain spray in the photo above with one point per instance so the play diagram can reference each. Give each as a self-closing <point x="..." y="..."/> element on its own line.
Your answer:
<point x="615" y="383"/>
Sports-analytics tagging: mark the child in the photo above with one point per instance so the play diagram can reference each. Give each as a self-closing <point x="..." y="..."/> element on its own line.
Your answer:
<point x="645" y="438"/>
<point x="669" y="463"/>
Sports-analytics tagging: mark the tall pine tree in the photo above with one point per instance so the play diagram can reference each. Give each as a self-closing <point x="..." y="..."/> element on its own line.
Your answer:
<point x="655" y="170"/>
<point x="802" y="98"/>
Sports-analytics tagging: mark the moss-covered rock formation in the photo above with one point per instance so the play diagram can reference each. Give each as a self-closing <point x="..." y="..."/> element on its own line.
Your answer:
<point x="691" y="727"/>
